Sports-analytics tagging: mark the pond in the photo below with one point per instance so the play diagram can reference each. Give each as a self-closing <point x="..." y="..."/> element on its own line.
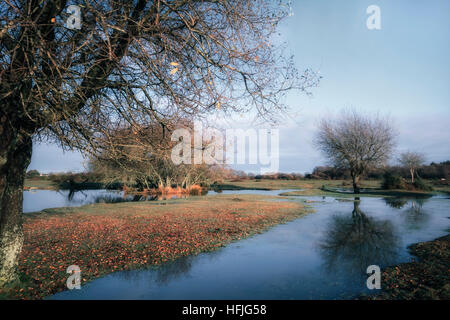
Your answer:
<point x="322" y="255"/>
<point x="37" y="200"/>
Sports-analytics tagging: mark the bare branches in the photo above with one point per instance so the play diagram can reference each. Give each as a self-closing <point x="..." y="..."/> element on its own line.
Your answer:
<point x="412" y="161"/>
<point x="137" y="61"/>
<point x="144" y="159"/>
<point x="356" y="142"/>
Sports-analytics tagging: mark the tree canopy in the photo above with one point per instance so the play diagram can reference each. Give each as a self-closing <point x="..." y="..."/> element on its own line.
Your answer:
<point x="132" y="61"/>
<point x="356" y="142"/>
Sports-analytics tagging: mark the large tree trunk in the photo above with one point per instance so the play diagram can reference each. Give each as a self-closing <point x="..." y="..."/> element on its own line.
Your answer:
<point x="411" y="171"/>
<point x="15" y="156"/>
<point x="355" y="180"/>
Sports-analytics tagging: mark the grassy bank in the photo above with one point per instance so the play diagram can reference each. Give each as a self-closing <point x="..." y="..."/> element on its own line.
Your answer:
<point x="103" y="238"/>
<point x="348" y="193"/>
<point x="305" y="187"/>
<point x="294" y="184"/>
<point x="39" y="183"/>
<point x="428" y="278"/>
<point x="331" y="188"/>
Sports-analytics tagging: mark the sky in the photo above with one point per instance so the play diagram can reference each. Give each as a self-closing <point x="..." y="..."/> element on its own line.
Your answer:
<point x="401" y="70"/>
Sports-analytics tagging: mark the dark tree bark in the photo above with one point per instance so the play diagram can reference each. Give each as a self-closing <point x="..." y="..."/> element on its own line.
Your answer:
<point x="356" y="188"/>
<point x="15" y="156"/>
<point x="355" y="179"/>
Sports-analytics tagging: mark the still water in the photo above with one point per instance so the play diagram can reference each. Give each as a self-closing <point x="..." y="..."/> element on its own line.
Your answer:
<point x="323" y="255"/>
<point x="37" y="200"/>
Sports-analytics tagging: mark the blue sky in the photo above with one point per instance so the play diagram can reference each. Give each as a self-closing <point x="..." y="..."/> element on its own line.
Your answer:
<point x="402" y="70"/>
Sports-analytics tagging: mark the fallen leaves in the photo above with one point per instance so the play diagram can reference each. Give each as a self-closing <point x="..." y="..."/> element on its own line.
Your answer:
<point x="425" y="279"/>
<point x="130" y="236"/>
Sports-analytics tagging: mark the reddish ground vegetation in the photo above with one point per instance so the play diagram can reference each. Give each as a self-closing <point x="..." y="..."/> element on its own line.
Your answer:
<point x="426" y="279"/>
<point x="104" y="238"/>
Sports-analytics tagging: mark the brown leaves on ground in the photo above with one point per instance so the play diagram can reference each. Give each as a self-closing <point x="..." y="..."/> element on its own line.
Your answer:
<point x="104" y="238"/>
<point x="428" y="278"/>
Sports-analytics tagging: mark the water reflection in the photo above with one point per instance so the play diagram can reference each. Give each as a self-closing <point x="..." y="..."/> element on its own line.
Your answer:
<point x="286" y="262"/>
<point x="44" y="199"/>
<point x="353" y="242"/>
<point x="136" y="197"/>
<point x="416" y="217"/>
<point x="72" y="192"/>
<point x="161" y="275"/>
<point x="396" y="203"/>
<point x="414" y="214"/>
<point x="123" y="197"/>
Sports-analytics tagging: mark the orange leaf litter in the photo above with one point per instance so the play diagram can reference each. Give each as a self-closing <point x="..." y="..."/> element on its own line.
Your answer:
<point x="134" y="235"/>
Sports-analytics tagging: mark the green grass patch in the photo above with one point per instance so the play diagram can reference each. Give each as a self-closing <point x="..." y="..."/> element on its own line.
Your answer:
<point x="38" y="183"/>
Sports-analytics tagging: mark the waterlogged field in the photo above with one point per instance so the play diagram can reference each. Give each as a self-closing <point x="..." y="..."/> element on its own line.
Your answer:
<point x="322" y="255"/>
<point x="340" y="188"/>
<point x="103" y="238"/>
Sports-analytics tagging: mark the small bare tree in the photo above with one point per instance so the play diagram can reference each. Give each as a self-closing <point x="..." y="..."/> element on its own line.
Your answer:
<point x="412" y="161"/>
<point x="356" y="142"/>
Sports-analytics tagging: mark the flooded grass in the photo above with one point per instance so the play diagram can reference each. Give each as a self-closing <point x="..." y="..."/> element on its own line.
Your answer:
<point x="318" y="256"/>
<point x="126" y="233"/>
<point x="103" y="238"/>
<point x="268" y="184"/>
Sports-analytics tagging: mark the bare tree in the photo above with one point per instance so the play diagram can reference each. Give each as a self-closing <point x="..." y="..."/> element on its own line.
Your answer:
<point x="143" y="159"/>
<point x="356" y="142"/>
<point x="412" y="161"/>
<point x="129" y="62"/>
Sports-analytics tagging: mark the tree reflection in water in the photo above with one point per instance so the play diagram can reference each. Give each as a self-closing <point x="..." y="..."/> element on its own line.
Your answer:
<point x="396" y="203"/>
<point x="173" y="270"/>
<point x="159" y="275"/>
<point x="415" y="216"/>
<point x="163" y="274"/>
<point x="72" y="193"/>
<point x="354" y="242"/>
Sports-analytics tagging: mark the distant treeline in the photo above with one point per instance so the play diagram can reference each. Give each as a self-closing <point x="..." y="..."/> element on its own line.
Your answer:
<point x="70" y="180"/>
<point x="91" y="180"/>
<point x="433" y="171"/>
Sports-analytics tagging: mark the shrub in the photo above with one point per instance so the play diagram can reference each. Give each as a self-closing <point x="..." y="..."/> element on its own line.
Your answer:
<point x="391" y="181"/>
<point x="32" y="174"/>
<point x="419" y="184"/>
